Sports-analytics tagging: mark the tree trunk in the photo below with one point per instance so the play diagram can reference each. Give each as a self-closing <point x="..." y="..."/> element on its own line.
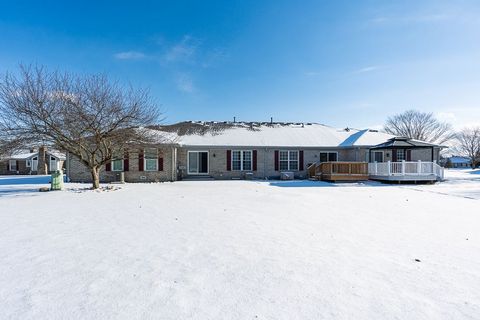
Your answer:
<point x="95" y="177"/>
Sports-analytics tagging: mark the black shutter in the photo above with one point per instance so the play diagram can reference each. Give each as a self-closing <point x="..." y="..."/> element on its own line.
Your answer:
<point x="301" y="160"/>
<point x="126" y="163"/>
<point x="229" y="160"/>
<point x="277" y="159"/>
<point x="140" y="160"/>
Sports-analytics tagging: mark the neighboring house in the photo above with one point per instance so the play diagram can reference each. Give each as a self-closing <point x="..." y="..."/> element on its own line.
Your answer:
<point x="457" y="162"/>
<point x="32" y="162"/>
<point x="225" y="150"/>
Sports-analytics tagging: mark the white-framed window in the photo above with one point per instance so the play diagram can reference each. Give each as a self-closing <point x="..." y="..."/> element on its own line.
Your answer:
<point x="151" y="159"/>
<point x="12" y="164"/>
<point x="117" y="162"/>
<point x="117" y="165"/>
<point x="400" y="154"/>
<point x="377" y="156"/>
<point x="242" y="160"/>
<point x="288" y="160"/>
<point x="28" y="163"/>
<point x="328" y="156"/>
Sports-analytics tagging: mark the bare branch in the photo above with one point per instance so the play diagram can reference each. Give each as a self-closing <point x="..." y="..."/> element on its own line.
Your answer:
<point x="88" y="116"/>
<point x="420" y="126"/>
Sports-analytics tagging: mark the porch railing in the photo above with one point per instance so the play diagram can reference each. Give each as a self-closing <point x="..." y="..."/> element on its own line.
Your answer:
<point x="405" y="168"/>
<point x="342" y="168"/>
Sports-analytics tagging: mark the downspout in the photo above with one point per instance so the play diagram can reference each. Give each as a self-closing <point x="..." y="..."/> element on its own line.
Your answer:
<point x="174" y="162"/>
<point x="67" y="165"/>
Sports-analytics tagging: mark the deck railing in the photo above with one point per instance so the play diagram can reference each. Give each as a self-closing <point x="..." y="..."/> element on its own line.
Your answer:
<point x="405" y="168"/>
<point x="342" y="168"/>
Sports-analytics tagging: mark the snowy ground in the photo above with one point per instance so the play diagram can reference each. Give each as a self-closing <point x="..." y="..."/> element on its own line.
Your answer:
<point x="241" y="250"/>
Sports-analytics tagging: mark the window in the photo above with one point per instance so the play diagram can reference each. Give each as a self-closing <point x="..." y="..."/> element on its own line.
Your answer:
<point x="328" y="156"/>
<point x="242" y="160"/>
<point x="377" y="156"/>
<point x="29" y="163"/>
<point x="117" y="162"/>
<point x="13" y="165"/>
<point x="288" y="160"/>
<point x="400" y="154"/>
<point x="151" y="159"/>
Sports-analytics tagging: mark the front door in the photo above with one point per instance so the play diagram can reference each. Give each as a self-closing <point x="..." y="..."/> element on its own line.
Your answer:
<point x="197" y="162"/>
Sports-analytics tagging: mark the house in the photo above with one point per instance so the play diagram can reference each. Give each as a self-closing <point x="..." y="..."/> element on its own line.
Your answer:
<point x="240" y="150"/>
<point x="33" y="161"/>
<point x="457" y="162"/>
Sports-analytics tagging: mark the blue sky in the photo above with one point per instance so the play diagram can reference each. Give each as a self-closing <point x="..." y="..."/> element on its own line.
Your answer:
<point x="342" y="63"/>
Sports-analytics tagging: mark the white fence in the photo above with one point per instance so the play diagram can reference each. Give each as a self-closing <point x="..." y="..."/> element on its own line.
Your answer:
<point x="405" y="168"/>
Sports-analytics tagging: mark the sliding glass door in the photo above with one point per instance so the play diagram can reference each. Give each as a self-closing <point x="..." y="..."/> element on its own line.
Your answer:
<point x="197" y="162"/>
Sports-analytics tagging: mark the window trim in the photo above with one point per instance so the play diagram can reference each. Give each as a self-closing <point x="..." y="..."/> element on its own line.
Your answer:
<point x="112" y="167"/>
<point x="289" y="160"/>
<point x="188" y="163"/>
<point x="242" y="152"/>
<point x="145" y="160"/>
<point x="28" y="163"/>
<point x="327" y="152"/>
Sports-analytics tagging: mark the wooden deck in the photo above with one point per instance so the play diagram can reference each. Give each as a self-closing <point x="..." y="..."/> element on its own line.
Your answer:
<point x="405" y="171"/>
<point x="339" y="171"/>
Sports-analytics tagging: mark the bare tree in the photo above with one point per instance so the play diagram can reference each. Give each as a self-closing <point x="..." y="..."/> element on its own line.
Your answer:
<point x="87" y="116"/>
<point x="420" y="126"/>
<point x="469" y="144"/>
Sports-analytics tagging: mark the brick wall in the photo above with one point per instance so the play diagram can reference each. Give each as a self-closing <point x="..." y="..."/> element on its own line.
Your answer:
<point x="217" y="158"/>
<point x="78" y="172"/>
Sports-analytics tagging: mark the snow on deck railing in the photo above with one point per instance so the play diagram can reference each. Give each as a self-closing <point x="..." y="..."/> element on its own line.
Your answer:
<point x="403" y="168"/>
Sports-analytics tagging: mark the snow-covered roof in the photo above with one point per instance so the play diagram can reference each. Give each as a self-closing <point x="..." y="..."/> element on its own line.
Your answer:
<point x="57" y="154"/>
<point x="403" y="142"/>
<point x="22" y="155"/>
<point x="277" y="135"/>
<point x="456" y="159"/>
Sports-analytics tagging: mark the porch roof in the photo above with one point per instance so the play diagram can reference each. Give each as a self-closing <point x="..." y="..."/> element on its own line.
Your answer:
<point x="404" y="143"/>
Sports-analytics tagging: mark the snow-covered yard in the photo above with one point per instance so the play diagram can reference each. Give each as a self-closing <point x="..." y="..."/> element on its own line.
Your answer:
<point x="241" y="250"/>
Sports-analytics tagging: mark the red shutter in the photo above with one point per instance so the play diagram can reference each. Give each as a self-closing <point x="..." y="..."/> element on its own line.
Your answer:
<point x="125" y="161"/>
<point x="301" y="160"/>
<point x="229" y="160"/>
<point x="276" y="160"/>
<point x="140" y="160"/>
<point x="160" y="164"/>
<point x="254" y="158"/>
<point x="409" y="155"/>
<point x="394" y="155"/>
<point x="108" y="166"/>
